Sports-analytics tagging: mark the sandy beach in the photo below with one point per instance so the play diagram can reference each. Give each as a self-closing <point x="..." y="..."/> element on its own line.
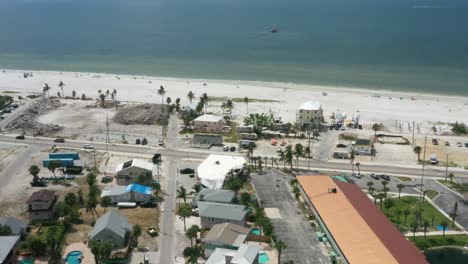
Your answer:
<point x="387" y="107"/>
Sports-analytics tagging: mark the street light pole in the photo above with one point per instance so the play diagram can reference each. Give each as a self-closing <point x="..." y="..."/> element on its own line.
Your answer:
<point x="424" y="164"/>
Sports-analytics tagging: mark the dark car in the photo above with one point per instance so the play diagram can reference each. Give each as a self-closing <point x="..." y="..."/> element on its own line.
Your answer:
<point x="435" y="141"/>
<point x="466" y="145"/>
<point x="187" y="171"/>
<point x="232" y="149"/>
<point x="341" y="146"/>
<point x="106" y="179"/>
<point x="385" y="177"/>
<point x="375" y="176"/>
<point x="59" y="140"/>
<point x="20" y="137"/>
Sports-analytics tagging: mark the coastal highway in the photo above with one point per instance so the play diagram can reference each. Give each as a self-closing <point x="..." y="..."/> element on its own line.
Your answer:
<point x="430" y="171"/>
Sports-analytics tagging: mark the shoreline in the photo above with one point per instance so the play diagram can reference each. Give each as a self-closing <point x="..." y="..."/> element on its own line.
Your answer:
<point x="264" y="84"/>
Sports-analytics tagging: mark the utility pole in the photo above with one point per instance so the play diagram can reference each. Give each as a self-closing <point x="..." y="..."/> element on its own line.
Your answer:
<point x="446" y="167"/>
<point x="308" y="158"/>
<point x="95" y="162"/>
<point x="107" y="134"/>
<point x="414" y="145"/>
<point x="424" y="164"/>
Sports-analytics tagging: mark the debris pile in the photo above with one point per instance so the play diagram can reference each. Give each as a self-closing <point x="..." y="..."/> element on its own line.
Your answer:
<point x="144" y="114"/>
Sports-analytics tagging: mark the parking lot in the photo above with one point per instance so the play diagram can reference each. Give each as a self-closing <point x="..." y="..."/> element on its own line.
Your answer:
<point x="290" y="225"/>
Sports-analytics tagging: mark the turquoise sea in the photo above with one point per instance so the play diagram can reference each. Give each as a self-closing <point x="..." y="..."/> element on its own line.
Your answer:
<point x="408" y="45"/>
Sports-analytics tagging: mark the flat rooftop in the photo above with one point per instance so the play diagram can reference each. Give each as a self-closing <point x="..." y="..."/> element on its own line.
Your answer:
<point x="363" y="234"/>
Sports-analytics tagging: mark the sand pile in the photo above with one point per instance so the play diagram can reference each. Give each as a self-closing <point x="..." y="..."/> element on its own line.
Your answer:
<point x="27" y="122"/>
<point x="144" y="114"/>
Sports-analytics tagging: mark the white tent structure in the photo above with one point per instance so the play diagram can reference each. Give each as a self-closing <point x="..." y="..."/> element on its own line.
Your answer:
<point x="213" y="170"/>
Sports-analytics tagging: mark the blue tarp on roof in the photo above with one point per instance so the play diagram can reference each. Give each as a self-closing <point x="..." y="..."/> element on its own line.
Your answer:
<point x="139" y="188"/>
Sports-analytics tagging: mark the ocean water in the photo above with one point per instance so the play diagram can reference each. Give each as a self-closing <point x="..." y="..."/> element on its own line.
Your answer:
<point x="408" y="45"/>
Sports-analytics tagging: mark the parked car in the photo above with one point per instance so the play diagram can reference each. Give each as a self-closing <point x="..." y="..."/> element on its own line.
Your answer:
<point x="20" y="137"/>
<point x="161" y="142"/>
<point x="435" y="141"/>
<point x="226" y="148"/>
<point x="187" y="171"/>
<point x="466" y="145"/>
<point x="341" y="146"/>
<point x="385" y="177"/>
<point x="357" y="175"/>
<point x="195" y="212"/>
<point x="88" y="146"/>
<point x="59" y="140"/>
<point x="232" y="148"/>
<point x="106" y="179"/>
<point x="459" y="144"/>
<point x="447" y="143"/>
<point x="375" y="176"/>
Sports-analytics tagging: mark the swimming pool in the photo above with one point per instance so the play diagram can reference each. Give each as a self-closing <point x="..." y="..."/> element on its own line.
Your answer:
<point x="263" y="258"/>
<point x="74" y="257"/>
<point x="27" y="261"/>
<point x="256" y="231"/>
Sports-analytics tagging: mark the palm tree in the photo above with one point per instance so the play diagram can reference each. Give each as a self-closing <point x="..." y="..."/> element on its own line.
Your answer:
<point x="114" y="92"/>
<point x="369" y="185"/>
<point x="185" y="211"/>
<point x="102" y="99"/>
<point x="425" y="226"/>
<point x="197" y="187"/>
<point x="414" y="226"/>
<point x="280" y="246"/>
<point x="46" y="89"/>
<point x="246" y="102"/>
<point x="136" y="232"/>
<point x="192" y="233"/>
<point x="375" y="127"/>
<point x="398" y="213"/>
<point x="281" y="157"/>
<point x="61" y="85"/>
<point x="107" y="93"/>
<point x="444" y="225"/>
<point x="34" y="171"/>
<point x="205" y="99"/>
<point x="53" y="165"/>
<point x="106" y="202"/>
<point x="406" y="213"/>
<point x="199" y="108"/>
<point x="358" y="164"/>
<point x="418" y="150"/>
<point x="308" y="156"/>
<point x="190" y="96"/>
<point x="182" y="193"/>
<point x="229" y="106"/>
<point x="161" y="92"/>
<point x="73" y="94"/>
<point x="177" y="104"/>
<point x="298" y="152"/>
<point x="451" y="176"/>
<point x="400" y="186"/>
<point x="289" y="155"/>
<point x="191" y="254"/>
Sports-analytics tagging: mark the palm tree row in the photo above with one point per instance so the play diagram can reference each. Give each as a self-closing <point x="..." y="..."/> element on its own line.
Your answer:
<point x="289" y="153"/>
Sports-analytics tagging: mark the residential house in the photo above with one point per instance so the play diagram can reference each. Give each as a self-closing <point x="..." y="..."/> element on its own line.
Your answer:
<point x="41" y="205"/>
<point x="362" y="147"/>
<point x="135" y="170"/>
<point x="217" y="213"/>
<point x="246" y="254"/>
<point x="209" y="123"/>
<point x="112" y="227"/>
<point x="18" y="227"/>
<point x="8" y="247"/>
<point x="214" y="196"/>
<point x="206" y="141"/>
<point x="213" y="170"/>
<point x="226" y="235"/>
<point x="310" y="113"/>
<point x="134" y="192"/>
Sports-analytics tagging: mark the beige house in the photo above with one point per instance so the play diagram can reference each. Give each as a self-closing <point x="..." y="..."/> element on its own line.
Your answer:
<point x="132" y="171"/>
<point x="210" y="123"/>
<point x="310" y="113"/>
<point x="41" y="205"/>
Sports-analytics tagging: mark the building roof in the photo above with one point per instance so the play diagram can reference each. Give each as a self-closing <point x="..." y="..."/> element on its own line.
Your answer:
<point x="135" y="163"/>
<point x="363" y="142"/>
<point x="213" y="170"/>
<point x="310" y="105"/>
<point x="209" y="118"/>
<point x="111" y="221"/>
<point x="361" y="231"/>
<point x="134" y="187"/>
<point x="16" y="225"/>
<point x="227" y="234"/>
<point x="246" y="254"/>
<point x="41" y="196"/>
<point x="7" y="243"/>
<point x="222" y="211"/>
<point x="217" y="196"/>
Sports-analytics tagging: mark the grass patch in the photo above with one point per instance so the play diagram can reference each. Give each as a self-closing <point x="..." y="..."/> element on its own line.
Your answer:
<point x="404" y="179"/>
<point x="232" y="136"/>
<point x="431" y="194"/>
<point x="413" y="204"/>
<point x="437" y="241"/>
<point x="241" y="99"/>
<point x="9" y="92"/>
<point x="461" y="188"/>
<point x="348" y="136"/>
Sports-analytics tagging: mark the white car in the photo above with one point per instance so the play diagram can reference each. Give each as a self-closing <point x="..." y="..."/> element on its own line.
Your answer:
<point x="88" y="146"/>
<point x="226" y="148"/>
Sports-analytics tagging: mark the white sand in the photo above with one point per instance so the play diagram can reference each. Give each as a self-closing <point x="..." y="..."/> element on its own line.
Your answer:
<point x="425" y="109"/>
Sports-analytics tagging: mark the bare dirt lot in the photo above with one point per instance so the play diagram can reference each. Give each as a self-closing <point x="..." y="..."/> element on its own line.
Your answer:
<point x="82" y="120"/>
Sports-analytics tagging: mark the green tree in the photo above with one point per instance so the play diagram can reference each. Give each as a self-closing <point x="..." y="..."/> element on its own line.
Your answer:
<point x="182" y="194"/>
<point x="280" y="246"/>
<point x="358" y="165"/>
<point x="197" y="187"/>
<point x="53" y="165"/>
<point x="190" y="96"/>
<point x="406" y="213"/>
<point x="168" y="100"/>
<point x="34" y="171"/>
<point x="400" y="186"/>
<point x="398" y="213"/>
<point x="289" y="156"/>
<point x="389" y="203"/>
<point x="185" y="211"/>
<point x="106" y="201"/>
<point x="46" y="89"/>
<point x="444" y="225"/>
<point x="191" y="254"/>
<point x="229" y="107"/>
<point x="414" y="226"/>
<point x="425" y="226"/>
<point x="161" y="92"/>
<point x="245" y="198"/>
<point x="376" y="127"/>
<point x="53" y="238"/>
<point x="246" y="102"/>
<point x="100" y="250"/>
<point x="192" y="233"/>
<point x="5" y="230"/>
<point x="136" y="233"/>
<point x="205" y="99"/>
<point x="418" y="150"/>
<point x="71" y="199"/>
<point x="61" y="85"/>
<point x="259" y="121"/>
<point x="298" y="152"/>
<point x="369" y="185"/>
<point x="37" y="245"/>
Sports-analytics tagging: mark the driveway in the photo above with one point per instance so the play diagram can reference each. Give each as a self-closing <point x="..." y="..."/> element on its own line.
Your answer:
<point x="291" y="227"/>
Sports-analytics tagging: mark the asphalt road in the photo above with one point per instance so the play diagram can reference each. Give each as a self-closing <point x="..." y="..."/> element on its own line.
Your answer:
<point x="17" y="165"/>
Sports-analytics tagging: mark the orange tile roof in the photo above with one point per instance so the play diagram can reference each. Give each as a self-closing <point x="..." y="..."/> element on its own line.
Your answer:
<point x="356" y="239"/>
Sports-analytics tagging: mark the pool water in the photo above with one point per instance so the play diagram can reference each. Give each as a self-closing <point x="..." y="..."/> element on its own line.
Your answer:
<point x="263" y="258"/>
<point x="27" y="261"/>
<point x="74" y="257"/>
<point x="256" y="231"/>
